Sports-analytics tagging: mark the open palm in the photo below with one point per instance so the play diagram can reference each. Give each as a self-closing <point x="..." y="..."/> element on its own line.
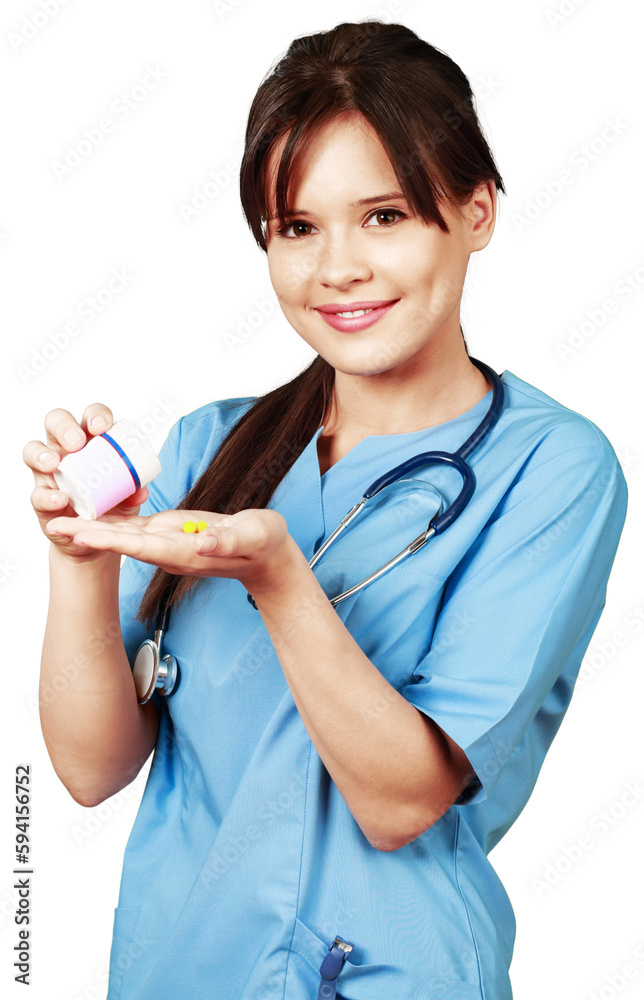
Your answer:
<point x="247" y="542"/>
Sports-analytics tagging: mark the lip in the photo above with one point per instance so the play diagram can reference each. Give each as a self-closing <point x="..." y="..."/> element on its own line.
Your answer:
<point x="340" y="307"/>
<point x="346" y="324"/>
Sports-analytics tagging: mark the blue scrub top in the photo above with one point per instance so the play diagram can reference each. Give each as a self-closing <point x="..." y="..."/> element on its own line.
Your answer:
<point x="244" y="861"/>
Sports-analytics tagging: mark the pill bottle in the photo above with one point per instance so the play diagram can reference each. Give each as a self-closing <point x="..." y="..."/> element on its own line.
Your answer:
<point x="111" y="467"/>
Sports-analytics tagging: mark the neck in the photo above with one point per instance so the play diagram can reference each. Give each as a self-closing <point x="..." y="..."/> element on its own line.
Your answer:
<point x="396" y="402"/>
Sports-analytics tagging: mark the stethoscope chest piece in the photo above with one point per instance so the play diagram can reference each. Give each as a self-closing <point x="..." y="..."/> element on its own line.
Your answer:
<point x="153" y="672"/>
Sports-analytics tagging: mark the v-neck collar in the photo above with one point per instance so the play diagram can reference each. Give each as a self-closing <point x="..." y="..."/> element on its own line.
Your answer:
<point x="305" y="495"/>
<point x="404" y="437"/>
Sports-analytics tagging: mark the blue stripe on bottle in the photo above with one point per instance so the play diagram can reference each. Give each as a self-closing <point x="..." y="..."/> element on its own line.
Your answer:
<point x="131" y="469"/>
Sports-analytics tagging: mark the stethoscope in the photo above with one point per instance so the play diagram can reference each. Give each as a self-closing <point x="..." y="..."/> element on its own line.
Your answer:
<point x="154" y="672"/>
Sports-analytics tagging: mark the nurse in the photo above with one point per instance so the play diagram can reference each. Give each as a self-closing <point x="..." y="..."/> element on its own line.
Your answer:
<point x="322" y="771"/>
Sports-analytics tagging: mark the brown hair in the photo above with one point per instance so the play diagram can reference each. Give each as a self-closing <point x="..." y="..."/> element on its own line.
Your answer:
<point x="421" y="106"/>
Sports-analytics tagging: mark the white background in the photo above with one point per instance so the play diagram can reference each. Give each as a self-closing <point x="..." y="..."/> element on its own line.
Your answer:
<point x="547" y="86"/>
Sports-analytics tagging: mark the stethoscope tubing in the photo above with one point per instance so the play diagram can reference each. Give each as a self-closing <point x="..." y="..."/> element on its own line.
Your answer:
<point x="442" y="520"/>
<point x="438" y="524"/>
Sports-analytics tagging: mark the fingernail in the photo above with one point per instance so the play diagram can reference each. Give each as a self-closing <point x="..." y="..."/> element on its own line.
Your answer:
<point x="72" y="438"/>
<point x="98" y="422"/>
<point x="208" y="544"/>
<point x="47" y="458"/>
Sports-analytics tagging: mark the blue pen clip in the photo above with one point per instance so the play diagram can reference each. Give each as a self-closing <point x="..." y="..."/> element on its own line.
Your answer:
<point x="331" y="966"/>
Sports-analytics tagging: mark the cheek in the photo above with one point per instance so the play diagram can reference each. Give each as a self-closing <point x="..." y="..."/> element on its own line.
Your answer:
<point x="287" y="277"/>
<point x="279" y="280"/>
<point x="416" y="264"/>
<point x="439" y="277"/>
<point x="274" y="270"/>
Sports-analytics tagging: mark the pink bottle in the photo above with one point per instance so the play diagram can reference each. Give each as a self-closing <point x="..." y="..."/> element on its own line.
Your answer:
<point x="111" y="467"/>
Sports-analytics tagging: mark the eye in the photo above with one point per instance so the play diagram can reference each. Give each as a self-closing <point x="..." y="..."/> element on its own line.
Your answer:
<point x="386" y="211"/>
<point x="297" y="222"/>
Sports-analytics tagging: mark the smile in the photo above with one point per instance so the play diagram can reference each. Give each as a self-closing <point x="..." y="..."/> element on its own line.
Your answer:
<point x="347" y="320"/>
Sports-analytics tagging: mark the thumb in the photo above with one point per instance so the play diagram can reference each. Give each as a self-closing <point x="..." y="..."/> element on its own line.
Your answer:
<point x="135" y="500"/>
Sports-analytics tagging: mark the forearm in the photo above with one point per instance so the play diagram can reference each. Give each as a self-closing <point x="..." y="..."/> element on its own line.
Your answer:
<point x="97" y="735"/>
<point x="387" y="759"/>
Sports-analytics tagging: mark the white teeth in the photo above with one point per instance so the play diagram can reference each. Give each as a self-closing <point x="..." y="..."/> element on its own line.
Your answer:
<point x="358" y="312"/>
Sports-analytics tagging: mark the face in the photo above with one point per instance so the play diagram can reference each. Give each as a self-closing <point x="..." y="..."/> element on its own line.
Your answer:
<point x="338" y="252"/>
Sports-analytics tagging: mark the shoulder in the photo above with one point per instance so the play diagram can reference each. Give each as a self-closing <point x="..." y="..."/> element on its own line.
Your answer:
<point x="543" y="429"/>
<point x="195" y="438"/>
<point x="219" y="415"/>
<point x="202" y="430"/>
<point x="543" y="458"/>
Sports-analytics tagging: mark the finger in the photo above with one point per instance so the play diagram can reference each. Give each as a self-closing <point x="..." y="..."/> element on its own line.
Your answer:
<point x="45" y="500"/>
<point x="97" y="418"/>
<point x="42" y="461"/>
<point x="208" y="516"/>
<point x="63" y="431"/>
<point x="244" y="535"/>
<point x="108" y="523"/>
<point x="159" y="550"/>
<point x="137" y="498"/>
<point x="175" y="519"/>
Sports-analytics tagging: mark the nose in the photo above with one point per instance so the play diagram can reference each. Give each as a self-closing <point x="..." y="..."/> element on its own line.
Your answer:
<point x="341" y="260"/>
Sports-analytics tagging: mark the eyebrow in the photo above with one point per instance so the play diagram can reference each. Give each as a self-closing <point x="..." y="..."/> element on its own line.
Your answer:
<point x="388" y="196"/>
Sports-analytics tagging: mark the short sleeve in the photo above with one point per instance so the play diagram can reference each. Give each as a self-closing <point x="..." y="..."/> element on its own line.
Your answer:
<point x="518" y="613"/>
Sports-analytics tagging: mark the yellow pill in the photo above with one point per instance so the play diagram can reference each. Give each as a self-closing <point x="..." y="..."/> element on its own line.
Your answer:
<point x="190" y="526"/>
<point x="201" y="525"/>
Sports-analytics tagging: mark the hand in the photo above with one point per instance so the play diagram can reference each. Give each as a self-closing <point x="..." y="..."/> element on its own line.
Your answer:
<point x="251" y="547"/>
<point x="65" y="435"/>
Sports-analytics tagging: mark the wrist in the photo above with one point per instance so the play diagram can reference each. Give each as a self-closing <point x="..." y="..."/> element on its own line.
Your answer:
<point x="90" y="562"/>
<point x="281" y="573"/>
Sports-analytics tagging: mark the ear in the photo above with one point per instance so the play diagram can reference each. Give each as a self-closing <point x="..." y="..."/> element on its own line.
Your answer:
<point x="480" y="213"/>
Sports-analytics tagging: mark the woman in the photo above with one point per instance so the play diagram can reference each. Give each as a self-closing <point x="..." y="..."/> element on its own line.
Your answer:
<point x="329" y="778"/>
